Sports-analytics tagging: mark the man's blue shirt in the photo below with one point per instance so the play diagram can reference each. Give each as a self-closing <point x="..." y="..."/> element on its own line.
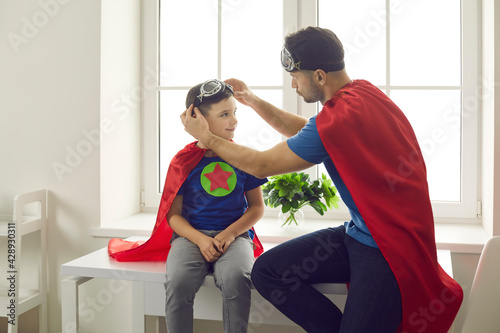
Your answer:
<point x="308" y="146"/>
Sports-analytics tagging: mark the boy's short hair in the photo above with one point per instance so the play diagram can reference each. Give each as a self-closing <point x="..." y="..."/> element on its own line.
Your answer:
<point x="316" y="47"/>
<point x="206" y="104"/>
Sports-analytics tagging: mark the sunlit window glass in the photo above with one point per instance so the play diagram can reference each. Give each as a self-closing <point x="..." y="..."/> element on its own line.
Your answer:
<point x="219" y="40"/>
<point x="426" y="43"/>
<point x="418" y="64"/>
<point x="361" y="27"/>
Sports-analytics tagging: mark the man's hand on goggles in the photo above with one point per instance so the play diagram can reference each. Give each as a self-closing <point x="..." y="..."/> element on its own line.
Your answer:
<point x="242" y="93"/>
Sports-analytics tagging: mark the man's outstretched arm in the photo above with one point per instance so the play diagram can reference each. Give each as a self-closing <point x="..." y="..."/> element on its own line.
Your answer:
<point x="286" y="123"/>
<point x="277" y="160"/>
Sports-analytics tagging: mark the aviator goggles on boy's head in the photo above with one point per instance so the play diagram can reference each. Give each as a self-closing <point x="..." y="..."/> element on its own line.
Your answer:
<point x="211" y="89"/>
<point x="289" y="64"/>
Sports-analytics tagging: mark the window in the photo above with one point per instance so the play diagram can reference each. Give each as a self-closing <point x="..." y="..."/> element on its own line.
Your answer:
<point x="219" y="40"/>
<point x="218" y="46"/>
<point x="422" y="54"/>
<point x="418" y="54"/>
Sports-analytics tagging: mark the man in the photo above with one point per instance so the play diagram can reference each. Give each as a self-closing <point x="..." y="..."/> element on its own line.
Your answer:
<point x="387" y="252"/>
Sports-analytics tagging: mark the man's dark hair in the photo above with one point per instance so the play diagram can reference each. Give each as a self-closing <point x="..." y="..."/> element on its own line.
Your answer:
<point x="206" y="104"/>
<point x="314" y="46"/>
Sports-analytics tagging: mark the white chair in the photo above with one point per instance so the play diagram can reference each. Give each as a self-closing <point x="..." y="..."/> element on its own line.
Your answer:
<point x="482" y="312"/>
<point x="16" y="298"/>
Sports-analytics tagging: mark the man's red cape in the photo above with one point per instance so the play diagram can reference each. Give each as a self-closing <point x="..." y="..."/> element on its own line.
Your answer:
<point x="157" y="246"/>
<point x="376" y="153"/>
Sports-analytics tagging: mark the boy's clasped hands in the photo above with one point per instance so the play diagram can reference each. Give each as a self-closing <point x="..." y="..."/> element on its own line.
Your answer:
<point x="213" y="247"/>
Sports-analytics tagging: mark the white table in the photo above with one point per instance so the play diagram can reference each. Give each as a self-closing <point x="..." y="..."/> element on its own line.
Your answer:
<point x="147" y="283"/>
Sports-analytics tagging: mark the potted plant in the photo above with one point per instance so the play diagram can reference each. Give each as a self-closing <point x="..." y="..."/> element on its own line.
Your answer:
<point x="293" y="191"/>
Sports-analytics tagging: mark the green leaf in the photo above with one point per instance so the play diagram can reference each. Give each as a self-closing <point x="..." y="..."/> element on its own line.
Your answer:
<point x="286" y="207"/>
<point x="274" y="198"/>
<point x="318" y="207"/>
<point x="335" y="203"/>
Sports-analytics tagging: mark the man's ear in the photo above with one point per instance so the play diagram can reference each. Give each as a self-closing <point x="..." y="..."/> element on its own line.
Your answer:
<point x="321" y="76"/>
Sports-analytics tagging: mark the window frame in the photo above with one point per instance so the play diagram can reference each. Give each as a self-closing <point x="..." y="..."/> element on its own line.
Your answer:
<point x="302" y="13"/>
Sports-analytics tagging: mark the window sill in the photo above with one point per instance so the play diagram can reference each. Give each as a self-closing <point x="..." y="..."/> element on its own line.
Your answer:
<point x="458" y="238"/>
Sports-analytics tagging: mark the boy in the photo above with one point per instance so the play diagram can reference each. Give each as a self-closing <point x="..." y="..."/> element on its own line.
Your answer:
<point x="210" y="220"/>
<point x="204" y="222"/>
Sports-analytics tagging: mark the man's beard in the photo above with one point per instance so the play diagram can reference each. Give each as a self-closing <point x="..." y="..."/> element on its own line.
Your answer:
<point x="314" y="93"/>
<point x="312" y="96"/>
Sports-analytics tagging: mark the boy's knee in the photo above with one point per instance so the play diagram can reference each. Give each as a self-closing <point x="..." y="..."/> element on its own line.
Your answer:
<point x="236" y="280"/>
<point x="177" y="283"/>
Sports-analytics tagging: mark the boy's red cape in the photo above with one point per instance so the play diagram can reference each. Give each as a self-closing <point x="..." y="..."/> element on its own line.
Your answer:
<point x="376" y="153"/>
<point x="157" y="246"/>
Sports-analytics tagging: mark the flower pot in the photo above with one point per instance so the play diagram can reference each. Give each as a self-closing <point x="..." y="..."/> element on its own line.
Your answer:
<point x="291" y="220"/>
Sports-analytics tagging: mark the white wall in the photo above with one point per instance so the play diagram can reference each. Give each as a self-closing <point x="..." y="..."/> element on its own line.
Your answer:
<point x="121" y="94"/>
<point x="490" y="98"/>
<point x="58" y="78"/>
<point x="50" y="96"/>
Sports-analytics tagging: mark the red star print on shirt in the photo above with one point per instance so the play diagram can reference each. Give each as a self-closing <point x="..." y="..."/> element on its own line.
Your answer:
<point x="218" y="178"/>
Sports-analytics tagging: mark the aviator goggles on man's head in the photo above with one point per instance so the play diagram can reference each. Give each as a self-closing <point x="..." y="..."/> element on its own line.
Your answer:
<point x="211" y="89"/>
<point x="287" y="61"/>
<point x="289" y="64"/>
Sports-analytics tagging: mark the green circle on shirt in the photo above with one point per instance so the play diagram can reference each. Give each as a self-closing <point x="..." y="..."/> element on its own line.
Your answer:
<point x="218" y="179"/>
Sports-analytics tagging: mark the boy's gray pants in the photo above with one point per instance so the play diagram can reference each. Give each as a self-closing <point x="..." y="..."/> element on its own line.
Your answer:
<point x="186" y="270"/>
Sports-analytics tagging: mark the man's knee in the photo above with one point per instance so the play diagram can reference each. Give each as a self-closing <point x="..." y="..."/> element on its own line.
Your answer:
<point x="261" y="272"/>
<point x="257" y="269"/>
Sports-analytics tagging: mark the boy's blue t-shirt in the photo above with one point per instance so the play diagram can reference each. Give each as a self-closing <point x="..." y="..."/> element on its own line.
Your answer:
<point x="214" y="194"/>
<point x="308" y="146"/>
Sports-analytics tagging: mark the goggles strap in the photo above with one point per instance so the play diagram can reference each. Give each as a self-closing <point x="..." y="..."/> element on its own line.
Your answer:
<point x="289" y="64"/>
<point x="216" y="90"/>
